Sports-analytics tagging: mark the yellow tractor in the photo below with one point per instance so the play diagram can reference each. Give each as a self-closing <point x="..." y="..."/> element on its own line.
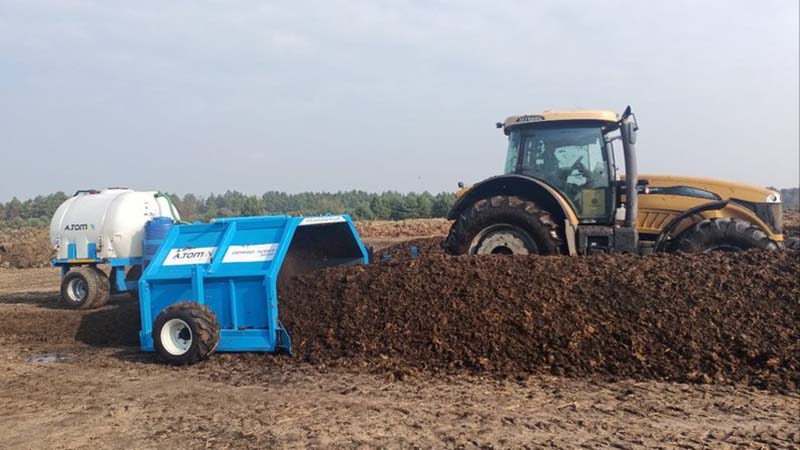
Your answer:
<point x="560" y="194"/>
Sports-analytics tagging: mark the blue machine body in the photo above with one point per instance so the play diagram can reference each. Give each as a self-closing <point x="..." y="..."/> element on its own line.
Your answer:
<point x="233" y="266"/>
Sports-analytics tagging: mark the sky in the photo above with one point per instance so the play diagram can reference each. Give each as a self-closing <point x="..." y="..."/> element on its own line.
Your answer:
<point x="254" y="96"/>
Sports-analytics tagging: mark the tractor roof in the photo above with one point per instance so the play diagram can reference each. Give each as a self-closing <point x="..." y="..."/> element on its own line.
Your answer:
<point x="560" y="115"/>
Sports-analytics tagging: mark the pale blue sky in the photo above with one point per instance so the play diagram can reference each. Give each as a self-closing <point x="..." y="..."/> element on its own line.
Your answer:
<point x="208" y="96"/>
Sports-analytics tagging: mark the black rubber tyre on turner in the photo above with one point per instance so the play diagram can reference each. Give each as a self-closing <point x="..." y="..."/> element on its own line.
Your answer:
<point x="185" y="333"/>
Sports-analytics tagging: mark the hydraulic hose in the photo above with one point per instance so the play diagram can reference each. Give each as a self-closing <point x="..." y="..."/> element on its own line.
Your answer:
<point x="172" y="208"/>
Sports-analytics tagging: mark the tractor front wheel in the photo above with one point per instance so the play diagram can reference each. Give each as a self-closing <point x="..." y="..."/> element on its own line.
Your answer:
<point x="185" y="333"/>
<point x="723" y="235"/>
<point x="503" y="225"/>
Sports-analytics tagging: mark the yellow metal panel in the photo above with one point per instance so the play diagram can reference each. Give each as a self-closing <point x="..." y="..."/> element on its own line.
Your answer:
<point x="724" y="189"/>
<point x="551" y="116"/>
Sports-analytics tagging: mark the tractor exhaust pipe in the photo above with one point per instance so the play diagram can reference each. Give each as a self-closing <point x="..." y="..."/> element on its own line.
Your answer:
<point x="628" y="128"/>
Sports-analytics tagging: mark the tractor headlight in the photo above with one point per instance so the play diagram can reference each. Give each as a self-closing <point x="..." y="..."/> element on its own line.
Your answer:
<point x="774" y="198"/>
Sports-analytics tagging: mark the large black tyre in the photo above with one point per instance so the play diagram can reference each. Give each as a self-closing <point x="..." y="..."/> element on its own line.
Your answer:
<point x="503" y="225"/>
<point x="84" y="288"/>
<point x="185" y="333"/>
<point x="722" y="234"/>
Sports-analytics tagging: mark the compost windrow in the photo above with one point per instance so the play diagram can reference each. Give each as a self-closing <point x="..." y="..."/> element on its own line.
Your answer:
<point x="713" y="318"/>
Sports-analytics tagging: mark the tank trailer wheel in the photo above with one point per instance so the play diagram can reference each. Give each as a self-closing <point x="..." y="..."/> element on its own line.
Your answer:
<point x="723" y="235"/>
<point x="185" y="333"/>
<point x="84" y="288"/>
<point x="504" y="225"/>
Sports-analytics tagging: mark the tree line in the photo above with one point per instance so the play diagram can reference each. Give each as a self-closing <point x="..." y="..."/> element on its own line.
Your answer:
<point x="361" y="205"/>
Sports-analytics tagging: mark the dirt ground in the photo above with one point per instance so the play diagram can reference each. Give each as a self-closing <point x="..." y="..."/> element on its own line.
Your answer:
<point x="791" y="222"/>
<point x="103" y="393"/>
<point x="380" y="234"/>
<point x="402" y="228"/>
<point x="24" y="248"/>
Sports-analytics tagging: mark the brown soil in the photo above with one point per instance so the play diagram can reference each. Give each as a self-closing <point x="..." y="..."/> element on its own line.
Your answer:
<point x="27" y="247"/>
<point x="433" y="352"/>
<point x="104" y="394"/>
<point x="402" y="228"/>
<point x="791" y="223"/>
<point x="409" y="249"/>
<point x="710" y="318"/>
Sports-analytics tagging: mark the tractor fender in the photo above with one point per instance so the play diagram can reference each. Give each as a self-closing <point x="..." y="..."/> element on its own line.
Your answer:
<point x="673" y="224"/>
<point x="736" y="210"/>
<point x="527" y="187"/>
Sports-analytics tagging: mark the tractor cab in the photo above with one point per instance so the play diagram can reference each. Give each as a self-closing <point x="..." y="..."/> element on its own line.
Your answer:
<point x="570" y="151"/>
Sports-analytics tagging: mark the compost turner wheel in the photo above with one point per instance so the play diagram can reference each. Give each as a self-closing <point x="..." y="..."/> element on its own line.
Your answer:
<point x="185" y="333"/>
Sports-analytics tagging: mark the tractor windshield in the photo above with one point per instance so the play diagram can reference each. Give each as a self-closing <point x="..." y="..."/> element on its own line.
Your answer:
<point x="570" y="157"/>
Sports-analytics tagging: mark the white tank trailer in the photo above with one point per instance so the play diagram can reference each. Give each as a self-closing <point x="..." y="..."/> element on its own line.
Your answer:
<point x="103" y="227"/>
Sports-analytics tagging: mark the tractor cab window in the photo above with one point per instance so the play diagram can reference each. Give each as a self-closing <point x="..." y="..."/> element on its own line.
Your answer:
<point x="513" y="153"/>
<point x="571" y="159"/>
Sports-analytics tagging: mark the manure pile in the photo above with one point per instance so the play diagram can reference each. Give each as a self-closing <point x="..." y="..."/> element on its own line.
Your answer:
<point x="24" y="248"/>
<point x="716" y="318"/>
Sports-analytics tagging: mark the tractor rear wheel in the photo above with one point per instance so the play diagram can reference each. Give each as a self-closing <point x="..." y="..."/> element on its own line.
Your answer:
<point x="724" y="235"/>
<point x="84" y="288"/>
<point x="185" y="333"/>
<point x="503" y="225"/>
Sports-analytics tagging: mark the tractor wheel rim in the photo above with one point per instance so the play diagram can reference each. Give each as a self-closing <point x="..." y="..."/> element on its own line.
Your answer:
<point x="502" y="239"/>
<point x="176" y="337"/>
<point x="76" y="290"/>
